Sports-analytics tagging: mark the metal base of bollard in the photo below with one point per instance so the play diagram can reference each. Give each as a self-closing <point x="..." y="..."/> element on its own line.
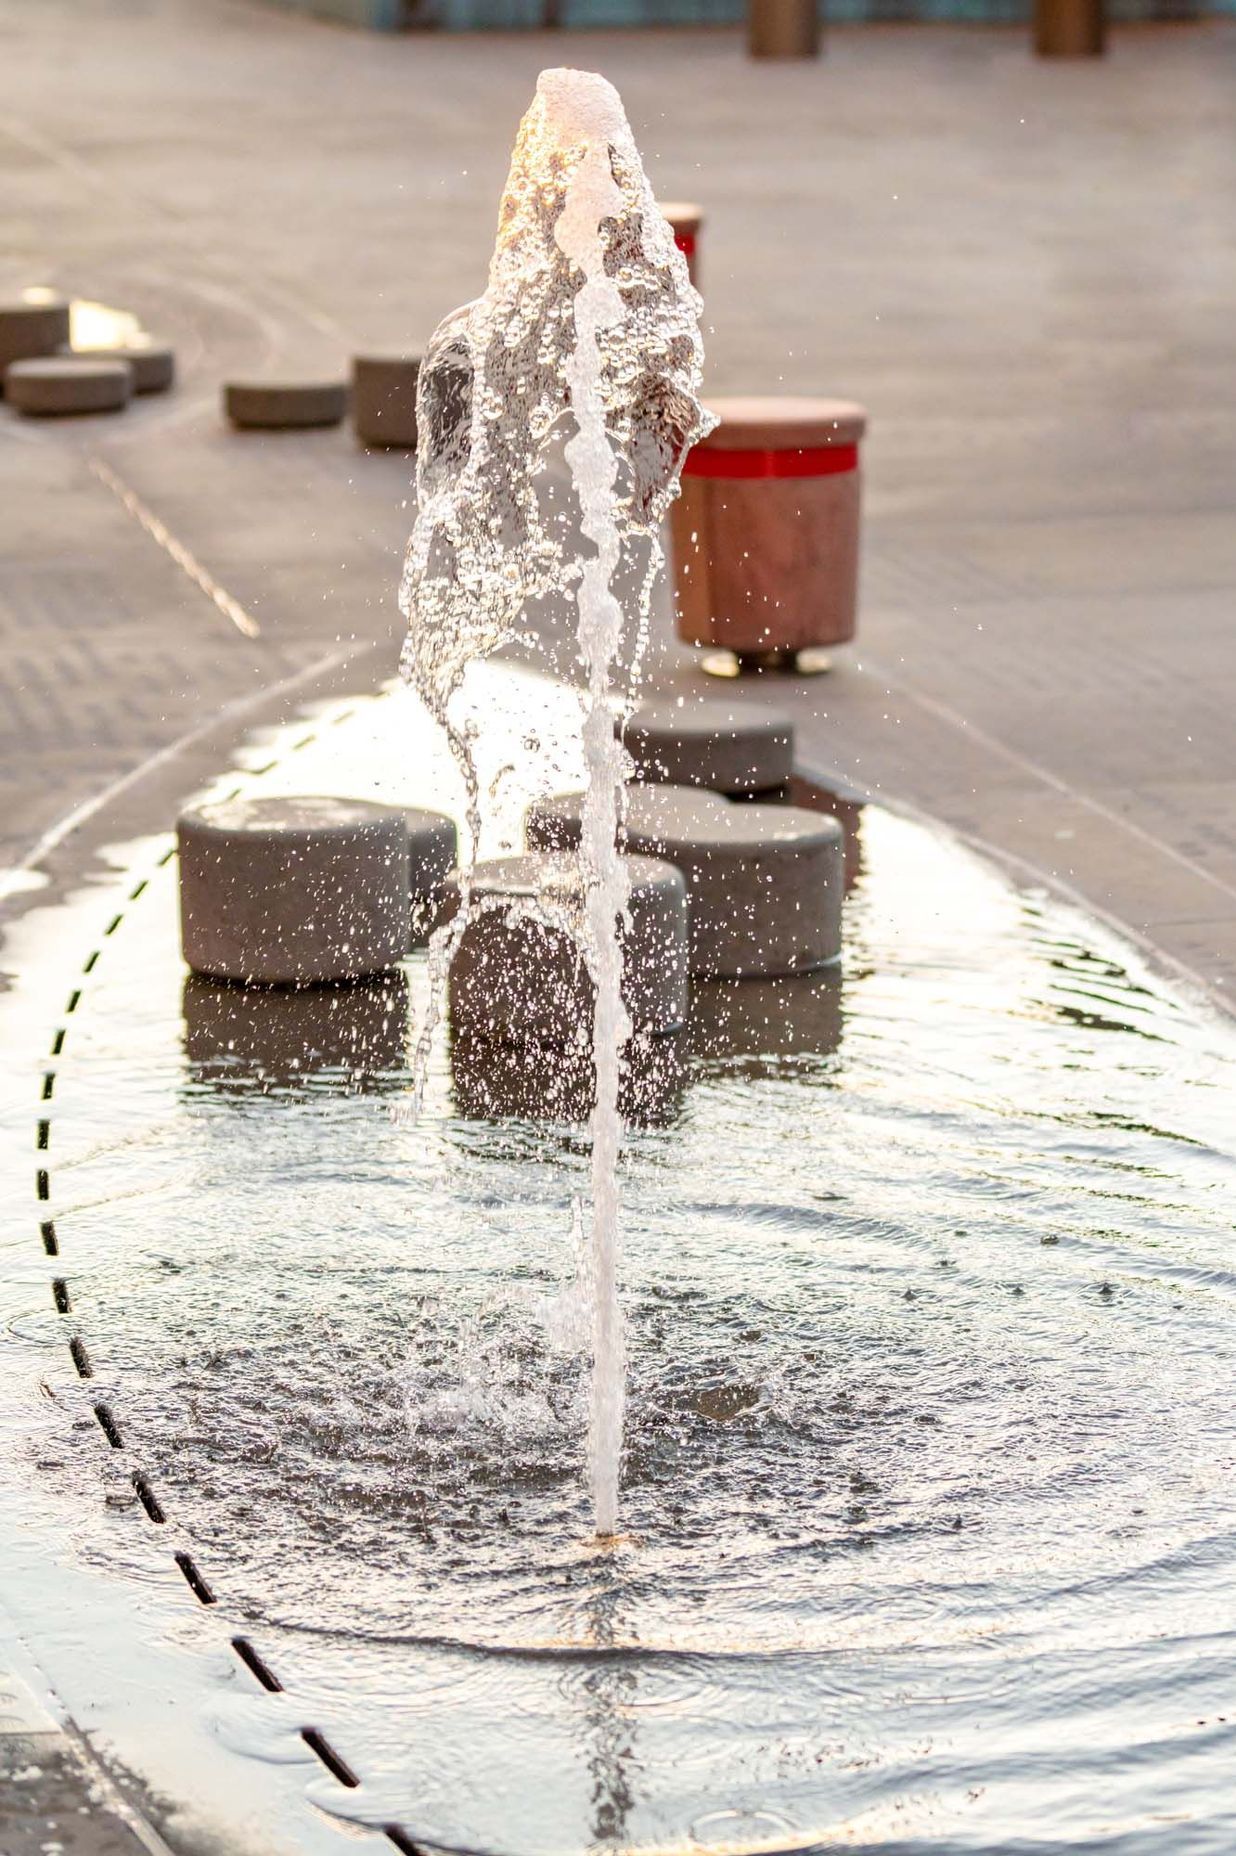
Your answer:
<point x="812" y="662"/>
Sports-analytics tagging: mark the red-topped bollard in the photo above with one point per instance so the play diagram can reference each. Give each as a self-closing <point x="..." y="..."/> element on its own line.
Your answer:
<point x="766" y="531"/>
<point x="687" y="223"/>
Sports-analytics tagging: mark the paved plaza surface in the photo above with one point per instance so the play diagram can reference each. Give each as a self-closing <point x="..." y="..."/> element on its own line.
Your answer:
<point x="1026" y="271"/>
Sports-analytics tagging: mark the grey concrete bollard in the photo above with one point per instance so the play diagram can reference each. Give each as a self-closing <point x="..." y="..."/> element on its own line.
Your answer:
<point x="751" y="1024"/>
<point x="737" y="748"/>
<point x="29" y="330"/>
<point x="384" y="400"/>
<point x="277" y="405"/>
<point x="433" y="849"/>
<point x="518" y="975"/>
<point x="57" y="386"/>
<point x="153" y="365"/>
<point x="291" y="892"/>
<point x="351" y="1037"/>
<point x="765" y="883"/>
<point x="494" y="1080"/>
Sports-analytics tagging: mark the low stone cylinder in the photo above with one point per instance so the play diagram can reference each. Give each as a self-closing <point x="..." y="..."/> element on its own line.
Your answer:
<point x="496" y="1081"/>
<point x="766" y="531"/>
<point x="687" y="222"/>
<point x="57" y="387"/>
<point x="153" y="365"/>
<point x="736" y="748"/>
<point x="30" y="330"/>
<point x="277" y="405"/>
<point x="753" y="1024"/>
<point x="293" y="892"/>
<point x="433" y="848"/>
<point x="765" y="883"/>
<point x="384" y="400"/>
<point x="519" y="975"/>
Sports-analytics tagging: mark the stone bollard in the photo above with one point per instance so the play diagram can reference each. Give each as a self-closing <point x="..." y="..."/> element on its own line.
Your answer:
<point x="384" y="400"/>
<point x="496" y="1081"/>
<point x="752" y="1025"/>
<point x="350" y="1037"/>
<point x="293" y="892"/>
<point x="735" y="748"/>
<point x="283" y="405"/>
<point x="783" y="28"/>
<point x="687" y="221"/>
<point x="1070" y="28"/>
<point x="765" y="883"/>
<point x="766" y="533"/>
<point x="32" y="328"/>
<point x="153" y="364"/>
<point x="56" y="387"/>
<point x="518" y="976"/>
<point x="433" y="849"/>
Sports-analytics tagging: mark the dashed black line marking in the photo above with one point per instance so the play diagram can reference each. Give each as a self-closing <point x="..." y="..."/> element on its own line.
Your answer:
<point x="337" y="1767"/>
<point x="257" y="1666"/>
<point x="114" y="924"/>
<point x="51" y="1243"/>
<point x="81" y="1359"/>
<point x="57" y="1044"/>
<point x="42" y="1184"/>
<point x="194" y="1580"/>
<point x="42" y="1136"/>
<point x="49" y="1084"/>
<point x="149" y="1500"/>
<point x="88" y="963"/>
<point x="74" y="998"/>
<point x="109" y="1427"/>
<point x="60" y="1296"/>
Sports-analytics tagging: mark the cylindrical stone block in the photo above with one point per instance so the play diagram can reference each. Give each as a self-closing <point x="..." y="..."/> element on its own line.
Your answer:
<point x="494" y="1080"/>
<point x="738" y="748"/>
<point x="56" y="387"/>
<point x="384" y="400"/>
<point x="153" y="365"/>
<point x="752" y="1025"/>
<point x="275" y="405"/>
<point x="433" y="848"/>
<point x="351" y="1037"/>
<point x="765" y="883"/>
<point x="293" y="892"/>
<point x="519" y="975"/>
<point x="1070" y="28"/>
<point x="783" y="28"/>
<point x="687" y="222"/>
<point x="766" y="531"/>
<point x="31" y="329"/>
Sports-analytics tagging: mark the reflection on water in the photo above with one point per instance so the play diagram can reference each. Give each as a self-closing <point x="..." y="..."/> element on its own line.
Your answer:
<point x="931" y="1526"/>
<point x="278" y="1038"/>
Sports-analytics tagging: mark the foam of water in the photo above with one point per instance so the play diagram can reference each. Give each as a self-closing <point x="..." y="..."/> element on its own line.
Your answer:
<point x="586" y="346"/>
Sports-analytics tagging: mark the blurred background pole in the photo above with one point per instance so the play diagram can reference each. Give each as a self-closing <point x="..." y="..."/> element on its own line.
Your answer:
<point x="1069" y="28"/>
<point x="783" y="28"/>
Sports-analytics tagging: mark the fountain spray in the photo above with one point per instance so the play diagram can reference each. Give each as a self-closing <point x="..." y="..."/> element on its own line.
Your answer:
<point x="585" y="347"/>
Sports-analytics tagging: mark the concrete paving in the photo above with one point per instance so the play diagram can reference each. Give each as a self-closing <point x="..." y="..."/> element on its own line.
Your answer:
<point x="1023" y="270"/>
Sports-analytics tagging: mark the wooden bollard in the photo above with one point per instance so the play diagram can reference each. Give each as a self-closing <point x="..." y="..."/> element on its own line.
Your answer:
<point x="766" y="532"/>
<point x="783" y="28"/>
<point x="687" y="223"/>
<point x="1070" y="28"/>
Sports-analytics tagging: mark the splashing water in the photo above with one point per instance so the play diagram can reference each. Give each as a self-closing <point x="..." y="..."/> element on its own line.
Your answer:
<point x="584" y="346"/>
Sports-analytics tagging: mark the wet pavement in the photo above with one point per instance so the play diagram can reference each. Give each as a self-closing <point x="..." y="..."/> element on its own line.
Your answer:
<point x="1018" y="267"/>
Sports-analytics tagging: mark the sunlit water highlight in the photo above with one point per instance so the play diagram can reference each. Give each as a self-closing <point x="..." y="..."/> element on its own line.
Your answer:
<point x="931" y="1526"/>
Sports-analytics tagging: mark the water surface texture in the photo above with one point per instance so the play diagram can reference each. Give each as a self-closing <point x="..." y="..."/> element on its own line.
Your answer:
<point x="927" y="1497"/>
